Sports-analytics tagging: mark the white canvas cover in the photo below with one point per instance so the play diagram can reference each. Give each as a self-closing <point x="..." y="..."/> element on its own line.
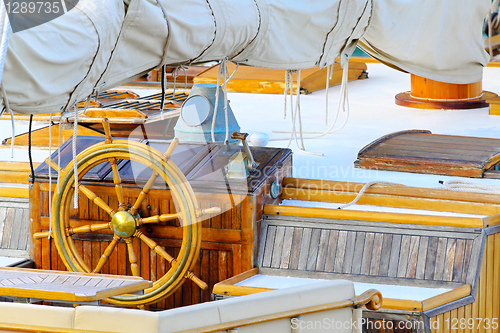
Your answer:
<point x="57" y="63"/>
<point x="100" y="44"/>
<point x="440" y="40"/>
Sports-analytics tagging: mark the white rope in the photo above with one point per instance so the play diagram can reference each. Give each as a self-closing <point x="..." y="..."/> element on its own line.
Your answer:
<point x="326" y="93"/>
<point x="163" y="84"/>
<point x="59" y="153"/>
<point x="50" y="175"/>
<point x="75" y="166"/>
<point x="224" y="73"/>
<point x="296" y="115"/>
<point x="343" y="104"/>
<point x="285" y="93"/>
<point x="13" y="129"/>
<point x="289" y="74"/>
<point x="364" y="188"/>
<point x="216" y="106"/>
<point x="464" y="186"/>
<point x="224" y="89"/>
<point x="175" y="74"/>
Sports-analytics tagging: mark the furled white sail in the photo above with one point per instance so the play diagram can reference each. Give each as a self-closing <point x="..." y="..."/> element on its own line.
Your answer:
<point x="102" y="43"/>
<point x="440" y="40"/>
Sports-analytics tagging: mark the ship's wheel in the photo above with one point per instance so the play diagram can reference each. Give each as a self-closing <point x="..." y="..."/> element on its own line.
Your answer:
<point x="125" y="221"/>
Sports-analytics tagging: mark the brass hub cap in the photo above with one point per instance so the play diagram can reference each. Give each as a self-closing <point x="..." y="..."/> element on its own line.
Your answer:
<point x="123" y="224"/>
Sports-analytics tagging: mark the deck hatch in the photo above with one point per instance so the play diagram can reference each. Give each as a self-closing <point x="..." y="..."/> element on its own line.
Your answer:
<point x="420" y="151"/>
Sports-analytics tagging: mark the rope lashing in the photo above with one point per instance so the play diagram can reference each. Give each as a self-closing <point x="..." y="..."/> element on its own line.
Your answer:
<point x="223" y="72"/>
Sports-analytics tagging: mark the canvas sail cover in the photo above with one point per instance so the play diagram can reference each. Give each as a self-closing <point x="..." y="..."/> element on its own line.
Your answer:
<point x="440" y="40"/>
<point x="100" y="44"/>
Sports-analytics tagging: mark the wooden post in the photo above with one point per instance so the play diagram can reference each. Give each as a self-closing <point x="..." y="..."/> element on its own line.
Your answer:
<point x="429" y="94"/>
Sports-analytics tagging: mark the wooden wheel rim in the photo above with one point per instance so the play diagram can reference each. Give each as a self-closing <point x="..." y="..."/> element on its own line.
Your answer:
<point x="181" y="192"/>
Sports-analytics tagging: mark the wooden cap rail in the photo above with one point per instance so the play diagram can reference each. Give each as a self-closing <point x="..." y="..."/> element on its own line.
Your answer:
<point x="394" y="196"/>
<point x="448" y="221"/>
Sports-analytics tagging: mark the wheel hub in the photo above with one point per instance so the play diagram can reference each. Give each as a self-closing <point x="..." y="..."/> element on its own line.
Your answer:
<point x="124" y="224"/>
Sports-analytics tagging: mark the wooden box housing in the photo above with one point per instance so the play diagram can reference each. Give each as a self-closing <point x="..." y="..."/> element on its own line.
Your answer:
<point x="228" y="239"/>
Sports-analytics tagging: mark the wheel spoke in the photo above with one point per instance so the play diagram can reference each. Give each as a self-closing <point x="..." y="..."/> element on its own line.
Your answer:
<point x="95" y="199"/>
<point x="143" y="193"/>
<point x="202" y="284"/>
<point x="132" y="258"/>
<point x="107" y="130"/>
<point x="88" y="228"/>
<point x="118" y="185"/>
<point x="158" y="218"/>
<point x="155" y="247"/>
<point x="171" y="149"/>
<point x="106" y="254"/>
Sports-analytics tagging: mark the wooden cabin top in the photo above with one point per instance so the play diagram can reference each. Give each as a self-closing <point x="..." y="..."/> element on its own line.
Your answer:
<point x="205" y="165"/>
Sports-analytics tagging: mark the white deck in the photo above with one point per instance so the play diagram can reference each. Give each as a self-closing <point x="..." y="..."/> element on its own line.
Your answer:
<point x="388" y="291"/>
<point x="373" y="113"/>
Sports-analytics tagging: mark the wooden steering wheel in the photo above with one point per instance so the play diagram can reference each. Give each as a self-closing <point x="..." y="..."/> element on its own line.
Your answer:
<point x="125" y="223"/>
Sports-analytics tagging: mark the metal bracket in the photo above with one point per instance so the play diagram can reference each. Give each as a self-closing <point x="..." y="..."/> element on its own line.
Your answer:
<point x="251" y="165"/>
<point x="275" y="185"/>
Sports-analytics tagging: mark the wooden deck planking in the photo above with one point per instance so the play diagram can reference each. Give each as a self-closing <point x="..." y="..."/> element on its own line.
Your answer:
<point x="450" y="259"/>
<point x="25" y="235"/>
<point x="268" y="252"/>
<point x="3" y="214"/>
<point x="313" y="250"/>
<point x="322" y="251"/>
<point x="295" y="251"/>
<point x="430" y="263"/>
<point x="467" y="255"/>
<point x="332" y="249"/>
<point x="65" y="286"/>
<point x="278" y="247"/>
<point x="304" y="248"/>
<point x="422" y="258"/>
<point x="403" y="256"/>
<point x="383" y="269"/>
<point x="14" y="227"/>
<point x="411" y="269"/>
<point x="394" y="260"/>
<point x="377" y="253"/>
<point x="367" y="253"/>
<point x="262" y="243"/>
<point x="8" y="225"/>
<point x="349" y="253"/>
<point x="287" y="247"/>
<point x="340" y="253"/>
<point x="440" y="258"/>
<point x="358" y="252"/>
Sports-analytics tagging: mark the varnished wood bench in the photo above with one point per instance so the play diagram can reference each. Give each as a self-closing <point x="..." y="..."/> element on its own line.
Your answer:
<point x="55" y="286"/>
<point x="430" y="264"/>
